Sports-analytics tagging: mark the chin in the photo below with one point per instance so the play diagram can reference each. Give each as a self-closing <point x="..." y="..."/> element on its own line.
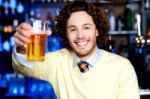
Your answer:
<point x="81" y="53"/>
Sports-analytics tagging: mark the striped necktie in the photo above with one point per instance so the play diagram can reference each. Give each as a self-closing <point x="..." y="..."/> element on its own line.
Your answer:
<point x="83" y="66"/>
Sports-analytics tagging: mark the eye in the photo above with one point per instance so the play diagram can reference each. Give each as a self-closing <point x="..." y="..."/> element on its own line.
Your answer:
<point x="86" y="27"/>
<point x="71" y="29"/>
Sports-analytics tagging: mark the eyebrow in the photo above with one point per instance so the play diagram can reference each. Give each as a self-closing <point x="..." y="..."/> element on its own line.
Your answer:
<point x="72" y="26"/>
<point x="87" y="24"/>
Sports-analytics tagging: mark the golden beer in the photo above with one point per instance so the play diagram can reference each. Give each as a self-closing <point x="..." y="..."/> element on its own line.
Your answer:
<point x="36" y="47"/>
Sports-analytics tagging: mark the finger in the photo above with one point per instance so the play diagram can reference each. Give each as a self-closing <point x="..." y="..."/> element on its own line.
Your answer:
<point x="48" y="32"/>
<point x="19" y="43"/>
<point x="26" y="26"/>
<point x="23" y="32"/>
<point x="22" y="38"/>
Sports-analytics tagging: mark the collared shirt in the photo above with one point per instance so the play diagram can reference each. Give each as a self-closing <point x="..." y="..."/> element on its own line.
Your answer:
<point x="91" y="60"/>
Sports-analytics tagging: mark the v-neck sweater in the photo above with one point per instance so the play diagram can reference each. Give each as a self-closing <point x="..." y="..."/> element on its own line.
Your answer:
<point x="111" y="77"/>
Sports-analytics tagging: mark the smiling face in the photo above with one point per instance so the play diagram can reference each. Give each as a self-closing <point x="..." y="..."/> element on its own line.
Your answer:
<point x="82" y="33"/>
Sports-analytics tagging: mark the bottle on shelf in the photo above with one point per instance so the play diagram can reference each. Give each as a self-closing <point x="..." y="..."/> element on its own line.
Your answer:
<point x="147" y="5"/>
<point x="112" y="22"/>
<point x="110" y="45"/>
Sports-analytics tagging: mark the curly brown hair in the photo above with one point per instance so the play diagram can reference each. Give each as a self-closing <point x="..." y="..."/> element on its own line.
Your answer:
<point x="98" y="15"/>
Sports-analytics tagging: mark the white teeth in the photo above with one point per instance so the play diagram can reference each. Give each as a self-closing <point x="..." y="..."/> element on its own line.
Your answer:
<point x="82" y="43"/>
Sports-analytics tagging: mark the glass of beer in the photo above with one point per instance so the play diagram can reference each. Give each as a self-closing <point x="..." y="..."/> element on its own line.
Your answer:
<point x="36" y="48"/>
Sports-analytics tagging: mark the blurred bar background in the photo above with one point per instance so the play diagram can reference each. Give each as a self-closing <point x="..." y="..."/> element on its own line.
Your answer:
<point x="123" y="29"/>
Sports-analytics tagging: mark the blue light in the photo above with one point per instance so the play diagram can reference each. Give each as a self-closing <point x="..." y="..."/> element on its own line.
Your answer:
<point x="33" y="88"/>
<point x="15" y="91"/>
<point x="12" y="4"/>
<point x="6" y="46"/>
<point x="54" y="43"/>
<point x="6" y="5"/>
<point x="12" y="40"/>
<point x="57" y="12"/>
<point x="3" y="83"/>
<point x="22" y="90"/>
<point x="1" y="2"/>
<point x="20" y="8"/>
<point x="32" y="13"/>
<point x="48" y="86"/>
<point x="41" y="87"/>
<point x="1" y="48"/>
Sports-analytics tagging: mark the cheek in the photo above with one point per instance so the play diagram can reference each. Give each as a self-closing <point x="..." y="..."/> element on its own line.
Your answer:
<point x="69" y="37"/>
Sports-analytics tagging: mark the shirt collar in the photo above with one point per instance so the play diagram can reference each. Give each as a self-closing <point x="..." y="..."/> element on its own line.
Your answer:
<point x="91" y="60"/>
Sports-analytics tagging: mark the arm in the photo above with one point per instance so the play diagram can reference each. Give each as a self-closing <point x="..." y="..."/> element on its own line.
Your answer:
<point x="43" y="70"/>
<point x="128" y="85"/>
<point x="20" y="63"/>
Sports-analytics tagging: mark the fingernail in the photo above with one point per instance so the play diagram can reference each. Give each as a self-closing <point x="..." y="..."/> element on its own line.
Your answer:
<point x="25" y="45"/>
<point x="28" y="40"/>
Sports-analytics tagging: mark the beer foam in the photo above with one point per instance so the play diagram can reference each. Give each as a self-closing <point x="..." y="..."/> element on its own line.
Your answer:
<point x="37" y="26"/>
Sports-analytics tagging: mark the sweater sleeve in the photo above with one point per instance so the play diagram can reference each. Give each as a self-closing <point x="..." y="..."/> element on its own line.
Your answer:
<point x="44" y="70"/>
<point x="128" y="85"/>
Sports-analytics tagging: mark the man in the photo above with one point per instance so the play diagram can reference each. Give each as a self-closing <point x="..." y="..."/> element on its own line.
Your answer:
<point x="107" y="76"/>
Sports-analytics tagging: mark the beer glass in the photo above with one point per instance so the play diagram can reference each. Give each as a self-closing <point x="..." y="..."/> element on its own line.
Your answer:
<point x="36" y="47"/>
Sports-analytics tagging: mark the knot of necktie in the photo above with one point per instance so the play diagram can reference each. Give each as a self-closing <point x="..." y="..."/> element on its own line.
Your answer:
<point x="83" y="66"/>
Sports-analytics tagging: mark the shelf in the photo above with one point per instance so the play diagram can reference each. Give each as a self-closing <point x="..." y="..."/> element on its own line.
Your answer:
<point x="145" y="92"/>
<point x="146" y="11"/>
<point x="109" y="2"/>
<point x="132" y="32"/>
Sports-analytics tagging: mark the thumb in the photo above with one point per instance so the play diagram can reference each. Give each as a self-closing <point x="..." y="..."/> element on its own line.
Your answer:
<point x="48" y="32"/>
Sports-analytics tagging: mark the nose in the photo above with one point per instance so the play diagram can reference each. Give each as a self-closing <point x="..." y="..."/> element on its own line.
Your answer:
<point x="80" y="34"/>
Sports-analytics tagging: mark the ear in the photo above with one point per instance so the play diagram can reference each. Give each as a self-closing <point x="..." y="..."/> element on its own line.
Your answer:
<point x="97" y="33"/>
<point x="67" y="35"/>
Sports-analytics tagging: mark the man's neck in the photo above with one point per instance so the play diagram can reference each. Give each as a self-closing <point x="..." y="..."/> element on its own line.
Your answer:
<point x="88" y="55"/>
<point x="92" y="59"/>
